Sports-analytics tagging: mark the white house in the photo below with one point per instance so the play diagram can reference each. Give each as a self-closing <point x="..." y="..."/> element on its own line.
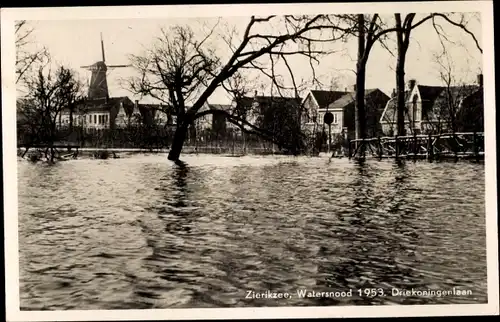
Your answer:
<point x="430" y="108"/>
<point x="99" y="114"/>
<point x="316" y="104"/>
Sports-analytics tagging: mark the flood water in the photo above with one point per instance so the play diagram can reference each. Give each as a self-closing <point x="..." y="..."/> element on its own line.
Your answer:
<point x="141" y="232"/>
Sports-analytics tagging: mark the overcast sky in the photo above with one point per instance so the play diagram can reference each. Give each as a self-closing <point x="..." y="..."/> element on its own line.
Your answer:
<point x="77" y="42"/>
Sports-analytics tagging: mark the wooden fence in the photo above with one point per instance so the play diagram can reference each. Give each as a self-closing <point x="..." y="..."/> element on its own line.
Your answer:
<point x="450" y="145"/>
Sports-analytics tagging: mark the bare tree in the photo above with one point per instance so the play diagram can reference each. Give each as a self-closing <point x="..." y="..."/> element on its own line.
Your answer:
<point x="371" y="30"/>
<point x="50" y="92"/>
<point x="181" y="67"/>
<point x="25" y="59"/>
<point x="454" y="98"/>
<point x="403" y="29"/>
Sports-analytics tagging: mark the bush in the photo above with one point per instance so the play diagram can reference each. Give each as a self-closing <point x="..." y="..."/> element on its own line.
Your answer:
<point x="101" y="154"/>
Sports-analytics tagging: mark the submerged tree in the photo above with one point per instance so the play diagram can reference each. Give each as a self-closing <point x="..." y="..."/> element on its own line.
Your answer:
<point x="49" y="93"/>
<point x="181" y="68"/>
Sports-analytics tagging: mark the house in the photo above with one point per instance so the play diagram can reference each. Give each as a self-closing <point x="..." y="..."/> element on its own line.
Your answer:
<point x="217" y="122"/>
<point x="116" y="112"/>
<point x="205" y="122"/>
<point x="260" y="109"/>
<point x="161" y="114"/>
<point x="315" y="106"/>
<point x="272" y="113"/>
<point x="437" y="109"/>
<point x="244" y="108"/>
<point x="278" y="117"/>
<point x="99" y="114"/>
<point x="343" y="111"/>
<point x="342" y="106"/>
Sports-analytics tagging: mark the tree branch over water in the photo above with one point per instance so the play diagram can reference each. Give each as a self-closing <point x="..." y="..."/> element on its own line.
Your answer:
<point x="180" y="68"/>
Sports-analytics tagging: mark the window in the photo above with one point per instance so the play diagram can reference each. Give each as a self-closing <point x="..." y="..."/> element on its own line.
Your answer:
<point x="95" y="118"/>
<point x="414" y="110"/>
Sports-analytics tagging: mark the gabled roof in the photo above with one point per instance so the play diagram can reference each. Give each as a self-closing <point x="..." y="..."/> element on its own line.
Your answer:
<point x="348" y="98"/>
<point x="429" y="93"/>
<point x="151" y="109"/>
<point x="247" y="102"/>
<point x="389" y="114"/>
<point x="433" y="98"/>
<point x="324" y="98"/>
<point x="432" y="104"/>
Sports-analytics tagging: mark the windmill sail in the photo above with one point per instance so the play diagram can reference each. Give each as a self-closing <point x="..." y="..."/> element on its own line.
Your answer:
<point x="102" y="50"/>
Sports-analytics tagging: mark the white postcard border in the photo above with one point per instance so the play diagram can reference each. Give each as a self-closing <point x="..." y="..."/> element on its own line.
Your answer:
<point x="10" y="164"/>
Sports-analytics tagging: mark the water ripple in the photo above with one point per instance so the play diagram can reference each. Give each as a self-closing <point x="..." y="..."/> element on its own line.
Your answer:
<point x="142" y="233"/>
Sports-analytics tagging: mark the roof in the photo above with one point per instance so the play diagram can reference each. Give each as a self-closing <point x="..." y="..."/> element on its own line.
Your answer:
<point x="432" y="104"/>
<point x="102" y="104"/>
<point x="323" y="98"/>
<point x="433" y="98"/>
<point x="348" y="98"/>
<point x="246" y="102"/>
<point x="389" y="114"/>
<point x="277" y="99"/>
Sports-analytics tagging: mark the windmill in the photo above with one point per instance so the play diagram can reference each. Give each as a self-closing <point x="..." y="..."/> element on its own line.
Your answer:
<point x="98" y="86"/>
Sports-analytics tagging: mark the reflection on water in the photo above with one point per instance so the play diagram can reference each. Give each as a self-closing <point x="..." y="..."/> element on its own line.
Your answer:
<point x="142" y="232"/>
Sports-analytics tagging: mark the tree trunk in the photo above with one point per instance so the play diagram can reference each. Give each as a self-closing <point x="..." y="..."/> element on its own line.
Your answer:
<point x="178" y="142"/>
<point x="402" y="46"/>
<point x="360" y="103"/>
<point x="52" y="154"/>
<point x="360" y="117"/>
<point x="400" y="91"/>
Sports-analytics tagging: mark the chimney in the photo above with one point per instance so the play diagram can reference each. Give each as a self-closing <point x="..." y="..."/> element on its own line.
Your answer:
<point x="255" y="93"/>
<point x="411" y="84"/>
<point x="393" y="92"/>
<point x="480" y="80"/>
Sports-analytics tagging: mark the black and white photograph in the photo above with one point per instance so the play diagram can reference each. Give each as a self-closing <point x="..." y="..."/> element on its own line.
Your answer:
<point x="249" y="161"/>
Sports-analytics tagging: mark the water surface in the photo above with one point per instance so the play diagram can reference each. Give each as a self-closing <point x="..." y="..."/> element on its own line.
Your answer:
<point x="141" y="232"/>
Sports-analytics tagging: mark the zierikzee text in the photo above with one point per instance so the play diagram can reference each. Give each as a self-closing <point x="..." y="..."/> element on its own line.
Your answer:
<point x="267" y="295"/>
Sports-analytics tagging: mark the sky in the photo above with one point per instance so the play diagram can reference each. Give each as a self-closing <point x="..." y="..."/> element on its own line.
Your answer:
<point x="76" y="43"/>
